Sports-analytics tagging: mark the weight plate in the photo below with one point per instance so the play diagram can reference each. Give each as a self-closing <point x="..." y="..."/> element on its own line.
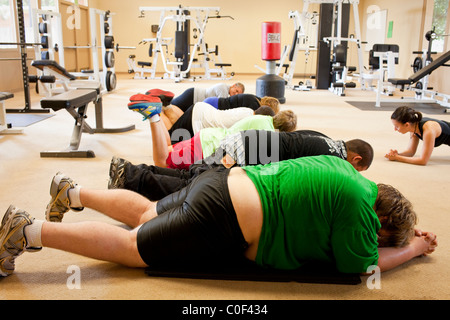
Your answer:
<point x="417" y="65"/>
<point x="109" y="59"/>
<point x="109" y="42"/>
<point x="111" y="81"/>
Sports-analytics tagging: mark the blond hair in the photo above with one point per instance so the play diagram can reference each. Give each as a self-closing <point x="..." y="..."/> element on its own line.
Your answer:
<point x="396" y="215"/>
<point x="285" y="121"/>
<point x="271" y="102"/>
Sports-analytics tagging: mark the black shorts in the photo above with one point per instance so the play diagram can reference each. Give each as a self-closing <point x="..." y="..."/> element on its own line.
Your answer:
<point x="196" y="226"/>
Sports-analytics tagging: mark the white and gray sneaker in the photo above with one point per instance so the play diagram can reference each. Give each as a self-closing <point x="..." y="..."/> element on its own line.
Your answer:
<point x="117" y="173"/>
<point x="12" y="239"/>
<point x="60" y="203"/>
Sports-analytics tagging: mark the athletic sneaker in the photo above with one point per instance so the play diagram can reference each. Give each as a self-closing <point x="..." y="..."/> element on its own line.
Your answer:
<point x="117" y="173"/>
<point x="147" y="109"/>
<point x="59" y="203"/>
<point x="145" y="98"/>
<point x="165" y="96"/>
<point x="12" y="239"/>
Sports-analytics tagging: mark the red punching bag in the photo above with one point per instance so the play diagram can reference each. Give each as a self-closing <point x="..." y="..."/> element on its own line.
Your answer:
<point x="271" y="41"/>
<point x="271" y="84"/>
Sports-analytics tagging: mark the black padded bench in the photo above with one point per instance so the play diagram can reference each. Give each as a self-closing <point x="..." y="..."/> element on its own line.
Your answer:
<point x="422" y="72"/>
<point x="52" y="65"/>
<point x="76" y="103"/>
<point x="6" y="95"/>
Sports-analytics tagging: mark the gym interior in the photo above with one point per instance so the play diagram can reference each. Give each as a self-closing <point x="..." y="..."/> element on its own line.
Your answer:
<point x="343" y="67"/>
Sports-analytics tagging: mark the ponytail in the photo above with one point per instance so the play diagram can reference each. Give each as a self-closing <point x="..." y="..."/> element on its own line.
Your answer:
<point x="405" y="114"/>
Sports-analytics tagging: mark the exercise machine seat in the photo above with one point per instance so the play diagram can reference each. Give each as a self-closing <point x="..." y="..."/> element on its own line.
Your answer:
<point x="73" y="98"/>
<point x="55" y="66"/>
<point x="400" y="82"/>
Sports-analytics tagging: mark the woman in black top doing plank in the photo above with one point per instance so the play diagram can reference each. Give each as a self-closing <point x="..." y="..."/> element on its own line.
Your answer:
<point x="432" y="132"/>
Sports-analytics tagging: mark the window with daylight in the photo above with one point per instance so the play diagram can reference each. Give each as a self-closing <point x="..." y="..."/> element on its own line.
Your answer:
<point x="440" y="24"/>
<point x="7" y="23"/>
<point x="28" y="6"/>
<point x="49" y="5"/>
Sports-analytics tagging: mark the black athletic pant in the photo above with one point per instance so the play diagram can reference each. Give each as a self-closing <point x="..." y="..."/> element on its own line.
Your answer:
<point x="185" y="100"/>
<point x="155" y="182"/>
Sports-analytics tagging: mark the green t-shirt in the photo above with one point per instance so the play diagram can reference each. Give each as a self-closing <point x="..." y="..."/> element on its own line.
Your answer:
<point x="316" y="209"/>
<point x="210" y="137"/>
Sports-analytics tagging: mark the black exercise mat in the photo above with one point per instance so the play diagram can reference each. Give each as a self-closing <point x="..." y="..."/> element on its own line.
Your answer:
<point x="427" y="108"/>
<point x="25" y="119"/>
<point x="252" y="272"/>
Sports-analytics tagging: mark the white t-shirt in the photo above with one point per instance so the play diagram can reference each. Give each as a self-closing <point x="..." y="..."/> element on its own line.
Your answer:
<point x="206" y="116"/>
<point x="220" y="90"/>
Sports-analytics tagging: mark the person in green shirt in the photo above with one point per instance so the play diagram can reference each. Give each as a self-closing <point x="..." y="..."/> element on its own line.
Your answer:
<point x="280" y="215"/>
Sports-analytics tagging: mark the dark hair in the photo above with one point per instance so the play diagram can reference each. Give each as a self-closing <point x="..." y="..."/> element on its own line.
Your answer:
<point x="396" y="215"/>
<point x="265" y="111"/>
<point x="362" y="148"/>
<point x="406" y="114"/>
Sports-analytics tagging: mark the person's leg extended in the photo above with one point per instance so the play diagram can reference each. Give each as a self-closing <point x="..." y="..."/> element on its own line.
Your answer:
<point x="122" y="205"/>
<point x="20" y="232"/>
<point x="94" y="240"/>
<point x="151" y="181"/>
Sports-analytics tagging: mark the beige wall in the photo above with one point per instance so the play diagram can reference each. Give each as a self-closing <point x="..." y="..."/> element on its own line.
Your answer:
<point x="407" y="31"/>
<point x="239" y="39"/>
<point x="412" y="19"/>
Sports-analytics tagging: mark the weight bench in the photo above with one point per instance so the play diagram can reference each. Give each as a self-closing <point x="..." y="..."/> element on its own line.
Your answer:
<point x="53" y="66"/>
<point x="5" y="128"/>
<point x="76" y="102"/>
<point x="65" y="78"/>
<point x="422" y="72"/>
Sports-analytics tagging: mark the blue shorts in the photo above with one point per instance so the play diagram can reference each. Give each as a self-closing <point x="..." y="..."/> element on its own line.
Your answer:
<point x="214" y="101"/>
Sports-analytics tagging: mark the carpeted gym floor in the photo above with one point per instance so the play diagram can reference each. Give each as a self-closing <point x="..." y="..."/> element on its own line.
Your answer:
<point x="25" y="178"/>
